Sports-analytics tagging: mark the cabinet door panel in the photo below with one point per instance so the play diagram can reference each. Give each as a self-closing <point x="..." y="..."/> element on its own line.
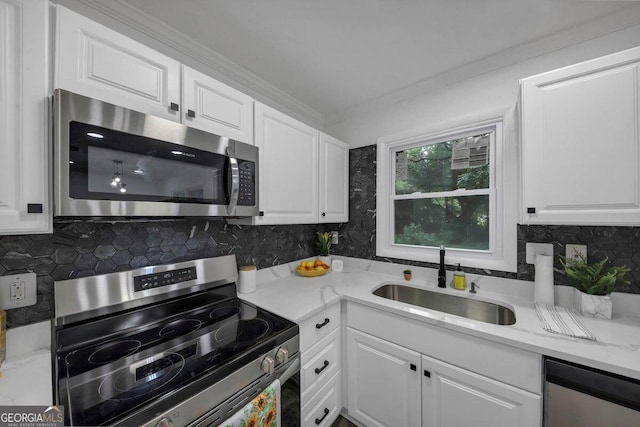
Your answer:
<point x="383" y="387"/>
<point x="452" y="396"/>
<point x="334" y="180"/>
<point x="216" y="107"/>
<point x="24" y="165"/>
<point x="288" y="168"/>
<point x="97" y="62"/>
<point x="581" y="145"/>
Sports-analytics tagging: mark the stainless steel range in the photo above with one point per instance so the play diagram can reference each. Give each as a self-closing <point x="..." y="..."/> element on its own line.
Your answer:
<point x="168" y="345"/>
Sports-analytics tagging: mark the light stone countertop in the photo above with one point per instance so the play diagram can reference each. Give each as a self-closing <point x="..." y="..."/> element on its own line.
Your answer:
<point x="616" y="350"/>
<point x="26" y="373"/>
<point x="27" y="379"/>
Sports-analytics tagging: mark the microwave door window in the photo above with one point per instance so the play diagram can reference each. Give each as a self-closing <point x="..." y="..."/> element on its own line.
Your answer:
<point x="121" y="166"/>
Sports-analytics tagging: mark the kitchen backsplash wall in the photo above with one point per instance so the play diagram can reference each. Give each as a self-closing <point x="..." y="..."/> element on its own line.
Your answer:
<point x="85" y="248"/>
<point x="358" y="237"/>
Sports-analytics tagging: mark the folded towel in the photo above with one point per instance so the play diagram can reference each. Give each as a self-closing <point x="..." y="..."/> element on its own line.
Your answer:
<point x="562" y="320"/>
<point x="263" y="410"/>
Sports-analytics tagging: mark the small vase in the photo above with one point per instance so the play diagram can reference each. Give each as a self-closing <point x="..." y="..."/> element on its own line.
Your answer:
<point x="599" y="306"/>
<point x="407" y="276"/>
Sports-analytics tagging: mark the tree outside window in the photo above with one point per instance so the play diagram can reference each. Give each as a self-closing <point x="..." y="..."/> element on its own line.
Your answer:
<point x="443" y="193"/>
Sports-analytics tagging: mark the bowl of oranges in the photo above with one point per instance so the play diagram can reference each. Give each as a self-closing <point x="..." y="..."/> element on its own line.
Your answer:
<point x="312" y="268"/>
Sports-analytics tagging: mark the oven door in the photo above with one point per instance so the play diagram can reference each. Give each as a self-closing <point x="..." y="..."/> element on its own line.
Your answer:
<point x="112" y="161"/>
<point x="236" y="410"/>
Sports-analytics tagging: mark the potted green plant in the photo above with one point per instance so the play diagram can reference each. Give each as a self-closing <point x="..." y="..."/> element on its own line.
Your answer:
<point x="324" y="246"/>
<point x="407" y="274"/>
<point x="593" y="283"/>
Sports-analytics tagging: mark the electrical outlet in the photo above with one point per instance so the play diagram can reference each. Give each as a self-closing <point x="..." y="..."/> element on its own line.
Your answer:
<point x="334" y="238"/>
<point x="17" y="290"/>
<point x="572" y="251"/>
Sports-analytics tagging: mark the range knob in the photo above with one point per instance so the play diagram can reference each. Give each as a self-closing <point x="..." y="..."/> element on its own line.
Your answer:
<point x="267" y="365"/>
<point x="282" y="355"/>
<point x="164" y="422"/>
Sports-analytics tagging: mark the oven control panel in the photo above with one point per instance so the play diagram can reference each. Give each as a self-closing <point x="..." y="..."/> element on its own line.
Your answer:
<point x="163" y="278"/>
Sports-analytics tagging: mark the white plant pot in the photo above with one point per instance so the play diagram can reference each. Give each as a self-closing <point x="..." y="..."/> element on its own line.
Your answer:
<point x="599" y="306"/>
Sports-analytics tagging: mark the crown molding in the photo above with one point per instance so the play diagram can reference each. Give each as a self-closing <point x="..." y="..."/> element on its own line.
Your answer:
<point x="163" y="33"/>
<point x="600" y="27"/>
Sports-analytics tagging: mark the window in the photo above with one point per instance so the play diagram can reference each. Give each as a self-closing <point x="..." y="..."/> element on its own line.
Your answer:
<point x="446" y="189"/>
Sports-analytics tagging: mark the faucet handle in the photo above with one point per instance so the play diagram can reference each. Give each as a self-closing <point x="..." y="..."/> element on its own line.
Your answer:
<point x="473" y="288"/>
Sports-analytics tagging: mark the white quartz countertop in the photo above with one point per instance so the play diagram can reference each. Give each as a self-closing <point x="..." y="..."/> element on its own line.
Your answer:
<point x="616" y="350"/>
<point x="26" y="373"/>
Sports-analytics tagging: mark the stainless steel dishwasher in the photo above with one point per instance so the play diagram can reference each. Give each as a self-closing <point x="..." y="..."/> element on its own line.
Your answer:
<point x="579" y="396"/>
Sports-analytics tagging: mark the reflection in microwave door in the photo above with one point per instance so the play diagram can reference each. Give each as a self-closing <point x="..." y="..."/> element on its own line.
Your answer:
<point x="195" y="193"/>
<point x="145" y="166"/>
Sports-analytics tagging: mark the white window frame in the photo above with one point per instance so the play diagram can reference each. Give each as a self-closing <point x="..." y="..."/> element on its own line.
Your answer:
<point x="502" y="253"/>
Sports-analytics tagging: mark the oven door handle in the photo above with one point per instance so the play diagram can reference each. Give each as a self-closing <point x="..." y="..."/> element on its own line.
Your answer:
<point x="235" y="182"/>
<point x="290" y="371"/>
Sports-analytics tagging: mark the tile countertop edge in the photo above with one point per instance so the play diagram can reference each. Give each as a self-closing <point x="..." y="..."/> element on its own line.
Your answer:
<point x="298" y="298"/>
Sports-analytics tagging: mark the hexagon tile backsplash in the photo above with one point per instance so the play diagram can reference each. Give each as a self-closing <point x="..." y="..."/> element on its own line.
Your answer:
<point x="78" y="249"/>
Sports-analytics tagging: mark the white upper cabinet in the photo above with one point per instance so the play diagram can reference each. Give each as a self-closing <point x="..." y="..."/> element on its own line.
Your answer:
<point x="212" y="106"/>
<point x="25" y="205"/>
<point x="581" y="147"/>
<point x="95" y="61"/>
<point x="303" y="176"/>
<point x="288" y="169"/>
<point x="334" y="180"/>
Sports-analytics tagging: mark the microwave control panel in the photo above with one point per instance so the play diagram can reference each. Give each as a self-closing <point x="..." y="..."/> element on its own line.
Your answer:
<point x="163" y="278"/>
<point x="247" y="195"/>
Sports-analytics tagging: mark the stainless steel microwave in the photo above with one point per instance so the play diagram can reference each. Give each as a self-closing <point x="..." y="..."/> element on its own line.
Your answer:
<point x="110" y="161"/>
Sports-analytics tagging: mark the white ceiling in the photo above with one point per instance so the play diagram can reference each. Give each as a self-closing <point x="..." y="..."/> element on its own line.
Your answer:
<point x="333" y="55"/>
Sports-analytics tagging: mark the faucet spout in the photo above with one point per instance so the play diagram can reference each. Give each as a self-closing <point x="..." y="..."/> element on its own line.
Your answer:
<point x="442" y="274"/>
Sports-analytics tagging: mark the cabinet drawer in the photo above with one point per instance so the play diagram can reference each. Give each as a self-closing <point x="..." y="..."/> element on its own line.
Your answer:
<point x="319" y="326"/>
<point x="510" y="365"/>
<point x="324" y="407"/>
<point x="319" y="363"/>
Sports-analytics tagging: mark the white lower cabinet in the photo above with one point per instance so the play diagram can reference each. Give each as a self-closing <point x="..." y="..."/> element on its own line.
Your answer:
<point x="321" y="367"/>
<point x="324" y="407"/>
<point x="383" y="382"/>
<point x="452" y="396"/>
<point x="391" y="382"/>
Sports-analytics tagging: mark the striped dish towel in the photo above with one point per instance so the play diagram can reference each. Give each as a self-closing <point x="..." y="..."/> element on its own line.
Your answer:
<point x="562" y="320"/>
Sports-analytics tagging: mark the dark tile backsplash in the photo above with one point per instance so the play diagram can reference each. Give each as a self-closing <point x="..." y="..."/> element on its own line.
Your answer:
<point x="79" y="249"/>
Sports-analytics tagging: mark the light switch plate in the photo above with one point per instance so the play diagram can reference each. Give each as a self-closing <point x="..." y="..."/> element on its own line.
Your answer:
<point x="334" y="238"/>
<point x="534" y="249"/>
<point x="21" y="286"/>
<point x="337" y="265"/>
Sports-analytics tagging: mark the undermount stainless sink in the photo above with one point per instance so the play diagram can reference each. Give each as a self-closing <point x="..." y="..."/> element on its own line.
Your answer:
<point x="460" y="306"/>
